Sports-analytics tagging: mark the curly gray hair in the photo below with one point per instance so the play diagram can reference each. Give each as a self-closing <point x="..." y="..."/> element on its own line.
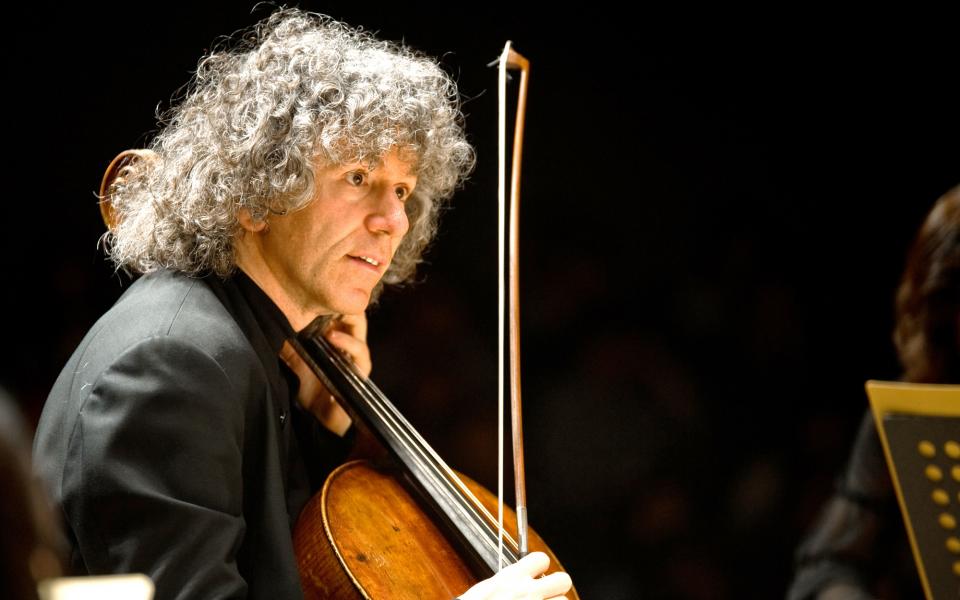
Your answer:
<point x="297" y="90"/>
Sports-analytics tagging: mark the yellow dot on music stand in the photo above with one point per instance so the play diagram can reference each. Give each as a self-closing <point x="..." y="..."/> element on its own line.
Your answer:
<point x="952" y="449"/>
<point x="953" y="545"/>
<point x="927" y="449"/>
<point x="941" y="497"/>
<point x="933" y="473"/>
<point x="947" y="521"/>
<point x="956" y="568"/>
<point x="955" y="472"/>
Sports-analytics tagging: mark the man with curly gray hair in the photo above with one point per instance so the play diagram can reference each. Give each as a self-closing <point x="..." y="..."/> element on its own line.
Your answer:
<point x="302" y="170"/>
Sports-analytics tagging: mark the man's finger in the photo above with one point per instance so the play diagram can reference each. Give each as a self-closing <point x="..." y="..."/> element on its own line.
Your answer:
<point x="355" y="348"/>
<point x="532" y="564"/>
<point x="355" y="325"/>
<point x="554" y="584"/>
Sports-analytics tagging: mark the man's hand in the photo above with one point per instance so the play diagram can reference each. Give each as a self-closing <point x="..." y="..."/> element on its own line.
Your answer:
<point x="520" y="582"/>
<point x="349" y="335"/>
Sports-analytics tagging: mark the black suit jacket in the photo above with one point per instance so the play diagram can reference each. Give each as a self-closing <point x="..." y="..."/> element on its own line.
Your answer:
<point x="172" y="447"/>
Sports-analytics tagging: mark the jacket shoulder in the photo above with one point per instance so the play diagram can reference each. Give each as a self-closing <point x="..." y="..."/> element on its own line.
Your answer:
<point x="159" y="313"/>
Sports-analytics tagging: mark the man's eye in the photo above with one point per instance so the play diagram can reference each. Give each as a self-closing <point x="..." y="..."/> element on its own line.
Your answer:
<point x="402" y="193"/>
<point x="355" y="178"/>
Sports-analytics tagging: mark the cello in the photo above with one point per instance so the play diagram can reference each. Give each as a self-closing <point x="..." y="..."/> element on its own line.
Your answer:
<point x="407" y="527"/>
<point x="410" y="528"/>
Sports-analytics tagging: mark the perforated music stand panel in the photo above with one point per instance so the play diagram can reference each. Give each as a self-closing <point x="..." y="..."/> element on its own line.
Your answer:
<point x="919" y="427"/>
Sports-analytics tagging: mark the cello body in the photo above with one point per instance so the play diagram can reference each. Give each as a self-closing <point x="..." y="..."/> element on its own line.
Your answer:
<point x="365" y="536"/>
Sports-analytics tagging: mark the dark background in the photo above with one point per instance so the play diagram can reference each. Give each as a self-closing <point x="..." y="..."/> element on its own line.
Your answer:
<point x="716" y="210"/>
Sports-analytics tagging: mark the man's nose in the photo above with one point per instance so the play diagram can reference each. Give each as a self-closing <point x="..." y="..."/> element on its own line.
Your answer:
<point x="388" y="215"/>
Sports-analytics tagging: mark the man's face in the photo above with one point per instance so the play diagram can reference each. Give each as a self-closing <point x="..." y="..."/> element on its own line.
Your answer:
<point x="328" y="256"/>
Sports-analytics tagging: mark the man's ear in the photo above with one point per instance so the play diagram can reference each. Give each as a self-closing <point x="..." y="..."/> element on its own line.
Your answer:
<point x="249" y="223"/>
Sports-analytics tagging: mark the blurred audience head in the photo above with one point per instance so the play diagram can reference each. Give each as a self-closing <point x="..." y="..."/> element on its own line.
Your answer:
<point x="927" y="331"/>
<point x="29" y="538"/>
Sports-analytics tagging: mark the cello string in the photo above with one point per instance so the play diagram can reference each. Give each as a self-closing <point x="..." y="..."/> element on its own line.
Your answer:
<point x="430" y="463"/>
<point x="396" y="425"/>
<point x="401" y="427"/>
<point x="442" y="475"/>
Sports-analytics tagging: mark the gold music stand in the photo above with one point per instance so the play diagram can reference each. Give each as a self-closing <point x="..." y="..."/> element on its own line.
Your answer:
<point x="919" y="426"/>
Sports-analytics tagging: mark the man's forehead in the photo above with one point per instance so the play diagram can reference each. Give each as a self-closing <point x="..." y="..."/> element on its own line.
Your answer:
<point x="406" y="160"/>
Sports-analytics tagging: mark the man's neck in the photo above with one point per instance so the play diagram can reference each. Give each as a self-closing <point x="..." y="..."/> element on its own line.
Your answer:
<point x="250" y="261"/>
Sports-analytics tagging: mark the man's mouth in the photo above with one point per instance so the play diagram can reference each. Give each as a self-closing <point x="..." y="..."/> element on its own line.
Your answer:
<point x="373" y="263"/>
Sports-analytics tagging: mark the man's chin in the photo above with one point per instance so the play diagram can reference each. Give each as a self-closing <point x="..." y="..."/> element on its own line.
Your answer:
<point x="353" y="303"/>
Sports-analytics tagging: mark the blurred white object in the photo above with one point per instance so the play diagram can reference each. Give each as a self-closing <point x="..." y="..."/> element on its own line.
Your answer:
<point x="98" y="587"/>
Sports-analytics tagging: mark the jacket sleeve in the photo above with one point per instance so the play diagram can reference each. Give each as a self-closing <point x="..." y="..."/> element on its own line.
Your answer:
<point x="153" y="475"/>
<point x="836" y="558"/>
